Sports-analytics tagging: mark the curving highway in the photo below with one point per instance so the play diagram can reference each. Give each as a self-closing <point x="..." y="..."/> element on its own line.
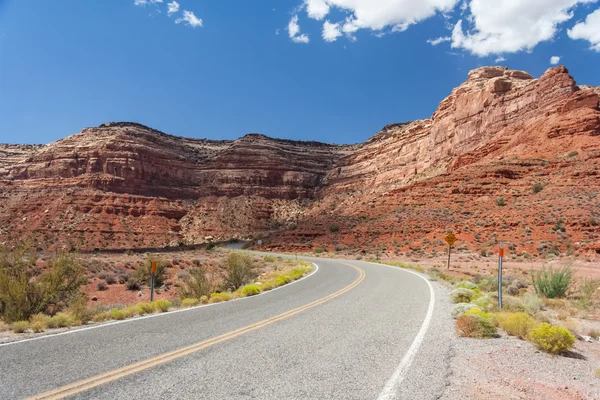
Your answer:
<point x="350" y="330"/>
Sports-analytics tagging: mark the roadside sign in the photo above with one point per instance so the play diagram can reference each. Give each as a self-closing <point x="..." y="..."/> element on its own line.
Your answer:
<point x="450" y="239"/>
<point x="153" y="266"/>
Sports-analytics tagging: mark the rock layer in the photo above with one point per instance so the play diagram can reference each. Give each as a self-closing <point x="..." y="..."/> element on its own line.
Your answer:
<point x="124" y="185"/>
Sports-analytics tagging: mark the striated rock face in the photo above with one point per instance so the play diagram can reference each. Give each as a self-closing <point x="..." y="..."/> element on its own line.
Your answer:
<point x="497" y="135"/>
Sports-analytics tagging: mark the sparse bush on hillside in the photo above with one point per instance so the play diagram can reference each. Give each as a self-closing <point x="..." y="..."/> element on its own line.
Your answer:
<point x="500" y="201"/>
<point x="572" y="154"/>
<point x="143" y="274"/>
<point x="196" y="284"/>
<point x="110" y="280"/>
<point x="536" y="188"/>
<point x="102" y="286"/>
<point x="551" y="339"/>
<point x="319" y="250"/>
<point x="23" y="293"/>
<point x="333" y="228"/>
<point x="475" y="326"/>
<point x="551" y="283"/>
<point x="238" y="270"/>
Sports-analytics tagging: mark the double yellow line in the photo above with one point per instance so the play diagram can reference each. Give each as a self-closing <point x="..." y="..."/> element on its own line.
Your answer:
<point x="87" y="384"/>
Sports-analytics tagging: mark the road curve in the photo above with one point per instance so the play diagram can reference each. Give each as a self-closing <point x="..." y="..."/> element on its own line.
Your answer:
<point x="352" y="330"/>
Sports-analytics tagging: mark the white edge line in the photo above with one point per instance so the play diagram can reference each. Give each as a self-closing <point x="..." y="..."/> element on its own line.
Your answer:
<point x="77" y="330"/>
<point x="391" y="387"/>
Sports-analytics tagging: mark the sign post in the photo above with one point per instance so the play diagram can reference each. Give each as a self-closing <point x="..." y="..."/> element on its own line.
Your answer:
<point x="501" y="254"/>
<point x="152" y="280"/>
<point x="450" y="239"/>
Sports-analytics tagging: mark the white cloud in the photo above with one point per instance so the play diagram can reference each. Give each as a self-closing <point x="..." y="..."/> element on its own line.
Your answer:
<point x="277" y="32"/>
<point x="331" y="31"/>
<point x="190" y="19"/>
<point x="379" y="14"/>
<point x="172" y="7"/>
<point x="554" y="60"/>
<point x="435" y="42"/>
<point x="499" y="60"/>
<point x="316" y="9"/>
<point x="588" y="30"/>
<point x="294" y="30"/>
<point x="144" y="2"/>
<point x="508" y="26"/>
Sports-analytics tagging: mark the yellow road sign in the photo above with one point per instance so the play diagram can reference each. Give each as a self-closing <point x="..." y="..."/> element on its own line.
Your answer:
<point x="450" y="239"/>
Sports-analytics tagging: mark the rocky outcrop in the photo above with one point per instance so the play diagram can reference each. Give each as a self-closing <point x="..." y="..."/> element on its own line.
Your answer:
<point x="124" y="185"/>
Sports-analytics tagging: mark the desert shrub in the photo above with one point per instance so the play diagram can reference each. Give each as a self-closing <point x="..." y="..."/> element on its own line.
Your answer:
<point x="533" y="303"/>
<point x="123" y="278"/>
<point x="39" y="322"/>
<point x="297" y="273"/>
<point x="551" y="339"/>
<point x="459" y="309"/>
<point x="196" y="284"/>
<point x="479" y="312"/>
<point x="334" y="228"/>
<point x="20" y="326"/>
<point x="319" y="250"/>
<point x="475" y="326"/>
<point x="102" y="286"/>
<point x="572" y="154"/>
<point x="132" y="284"/>
<point x="265" y="286"/>
<point x="250" y="290"/>
<point x="500" y="201"/>
<point x="204" y="299"/>
<point x="512" y="290"/>
<point x="516" y="324"/>
<point x="117" y="314"/>
<point x="462" y="295"/>
<point x="482" y="302"/>
<point x="551" y="283"/>
<point x="111" y="280"/>
<point x="163" y="305"/>
<point x="269" y="259"/>
<point x="219" y="297"/>
<point x="3" y="326"/>
<point x="132" y="311"/>
<point x="37" y="327"/>
<point x="587" y="291"/>
<point x="281" y="280"/>
<point x="239" y="269"/>
<point x="148" y="308"/>
<point x="23" y="293"/>
<point x="187" y="303"/>
<point x="509" y="303"/>
<point x="536" y="188"/>
<point x="100" y="317"/>
<point x="468" y="285"/>
<point x="61" y="320"/>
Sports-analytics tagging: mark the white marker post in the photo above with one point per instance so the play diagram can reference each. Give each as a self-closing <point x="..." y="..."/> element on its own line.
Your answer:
<point x="501" y="254"/>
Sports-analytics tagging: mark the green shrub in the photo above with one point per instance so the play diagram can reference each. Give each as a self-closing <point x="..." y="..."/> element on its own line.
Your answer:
<point x="239" y="269"/>
<point x="187" y="303"/>
<point x="334" y="228"/>
<point x="509" y="303"/>
<point x="38" y="327"/>
<point x="148" y="308"/>
<point x="132" y="311"/>
<point x="281" y="280"/>
<point x="117" y="314"/>
<point x="61" y="320"/>
<point x="196" y="284"/>
<point x="23" y="293"/>
<point x="533" y="303"/>
<point x="551" y="339"/>
<point x="204" y="299"/>
<point x="219" y="297"/>
<point x="133" y="284"/>
<point x="516" y="324"/>
<point x="459" y="309"/>
<point x="551" y="283"/>
<point x="20" y="326"/>
<point x="572" y="154"/>
<point x="462" y="295"/>
<point x="479" y="312"/>
<point x="319" y="250"/>
<point x="39" y="322"/>
<point x="163" y="305"/>
<point x="482" y="302"/>
<point x="250" y="290"/>
<point x="297" y="273"/>
<point x="269" y="259"/>
<point x="475" y="326"/>
<point x="266" y="286"/>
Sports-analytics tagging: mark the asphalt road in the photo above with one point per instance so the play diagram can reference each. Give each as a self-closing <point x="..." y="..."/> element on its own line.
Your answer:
<point x="351" y="330"/>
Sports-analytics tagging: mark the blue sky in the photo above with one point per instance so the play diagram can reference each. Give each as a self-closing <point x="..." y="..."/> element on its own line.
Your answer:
<point x="230" y="67"/>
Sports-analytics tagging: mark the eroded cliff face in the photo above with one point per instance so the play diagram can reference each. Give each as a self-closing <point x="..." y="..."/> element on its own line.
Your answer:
<point x="124" y="185"/>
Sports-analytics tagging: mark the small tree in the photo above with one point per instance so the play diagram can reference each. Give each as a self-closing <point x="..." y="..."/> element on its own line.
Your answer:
<point x="238" y="270"/>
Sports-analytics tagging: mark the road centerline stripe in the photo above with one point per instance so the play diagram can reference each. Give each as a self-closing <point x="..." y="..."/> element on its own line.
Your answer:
<point x="89" y="383"/>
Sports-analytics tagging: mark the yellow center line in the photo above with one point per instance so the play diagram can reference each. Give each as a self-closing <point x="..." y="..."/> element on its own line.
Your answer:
<point x="87" y="384"/>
